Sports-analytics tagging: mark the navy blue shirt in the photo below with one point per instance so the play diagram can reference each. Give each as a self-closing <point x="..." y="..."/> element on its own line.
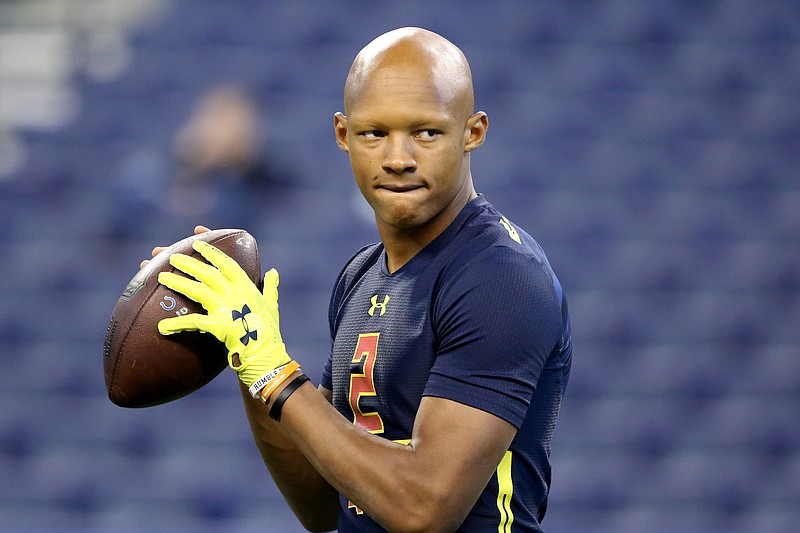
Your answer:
<point x="477" y="317"/>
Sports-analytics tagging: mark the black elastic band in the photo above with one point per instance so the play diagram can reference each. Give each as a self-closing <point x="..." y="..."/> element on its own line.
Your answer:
<point x="277" y="405"/>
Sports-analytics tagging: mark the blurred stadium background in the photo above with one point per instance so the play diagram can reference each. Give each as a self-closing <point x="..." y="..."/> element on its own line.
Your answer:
<point x="652" y="147"/>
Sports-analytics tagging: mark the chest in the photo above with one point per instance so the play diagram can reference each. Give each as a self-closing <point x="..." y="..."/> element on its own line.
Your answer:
<point x="383" y="349"/>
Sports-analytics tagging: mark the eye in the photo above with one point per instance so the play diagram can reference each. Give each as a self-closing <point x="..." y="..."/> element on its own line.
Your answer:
<point x="427" y="135"/>
<point x="372" y="134"/>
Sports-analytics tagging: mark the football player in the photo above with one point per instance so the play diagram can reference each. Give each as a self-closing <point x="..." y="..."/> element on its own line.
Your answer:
<point x="450" y="337"/>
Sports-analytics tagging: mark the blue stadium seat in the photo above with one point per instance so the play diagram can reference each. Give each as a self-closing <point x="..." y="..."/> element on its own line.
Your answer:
<point x="651" y="147"/>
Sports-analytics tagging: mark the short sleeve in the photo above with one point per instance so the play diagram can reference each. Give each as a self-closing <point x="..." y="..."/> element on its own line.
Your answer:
<point x="497" y="319"/>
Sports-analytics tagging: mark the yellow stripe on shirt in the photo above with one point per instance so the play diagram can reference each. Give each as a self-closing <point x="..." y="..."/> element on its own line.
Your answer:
<point x="505" y="490"/>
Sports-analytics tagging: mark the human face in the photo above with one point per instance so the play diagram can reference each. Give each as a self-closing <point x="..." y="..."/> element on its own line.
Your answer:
<point x="408" y="147"/>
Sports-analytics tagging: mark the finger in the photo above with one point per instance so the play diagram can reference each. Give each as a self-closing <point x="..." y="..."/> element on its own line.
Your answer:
<point x="157" y="250"/>
<point x="201" y="229"/>
<point x="229" y="268"/>
<point x="201" y="271"/>
<point x="190" y="322"/>
<point x="271" y="280"/>
<point x="193" y="290"/>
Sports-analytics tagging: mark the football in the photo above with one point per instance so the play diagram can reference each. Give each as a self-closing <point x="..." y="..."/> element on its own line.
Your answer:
<point x="144" y="368"/>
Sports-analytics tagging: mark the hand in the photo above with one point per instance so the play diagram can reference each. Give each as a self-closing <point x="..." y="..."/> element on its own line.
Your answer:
<point x="158" y="249"/>
<point x="244" y="319"/>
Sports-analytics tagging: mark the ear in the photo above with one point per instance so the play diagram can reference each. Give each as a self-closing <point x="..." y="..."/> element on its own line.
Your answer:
<point x="475" y="132"/>
<point x="340" y="129"/>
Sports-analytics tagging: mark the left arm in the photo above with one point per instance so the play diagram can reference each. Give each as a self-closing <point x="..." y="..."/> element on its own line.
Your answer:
<point x="429" y="485"/>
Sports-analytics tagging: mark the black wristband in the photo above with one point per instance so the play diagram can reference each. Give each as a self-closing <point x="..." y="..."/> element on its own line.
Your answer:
<point x="277" y="405"/>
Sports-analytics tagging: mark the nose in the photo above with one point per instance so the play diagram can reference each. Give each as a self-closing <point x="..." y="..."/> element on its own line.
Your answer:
<point x="399" y="155"/>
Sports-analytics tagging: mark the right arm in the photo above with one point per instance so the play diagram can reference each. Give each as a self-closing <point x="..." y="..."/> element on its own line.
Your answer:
<point x="311" y="498"/>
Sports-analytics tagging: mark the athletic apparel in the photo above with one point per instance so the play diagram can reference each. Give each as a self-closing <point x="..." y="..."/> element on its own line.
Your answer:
<point x="477" y="317"/>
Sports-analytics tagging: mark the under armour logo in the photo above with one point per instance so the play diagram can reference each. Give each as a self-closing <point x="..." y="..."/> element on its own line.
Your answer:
<point x="512" y="231"/>
<point x="236" y="315"/>
<point x="378" y="306"/>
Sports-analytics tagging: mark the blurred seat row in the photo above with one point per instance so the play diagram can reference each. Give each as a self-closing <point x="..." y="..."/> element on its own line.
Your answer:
<point x="651" y="147"/>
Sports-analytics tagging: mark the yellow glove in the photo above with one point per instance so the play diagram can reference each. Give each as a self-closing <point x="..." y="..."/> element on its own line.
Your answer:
<point x="239" y="315"/>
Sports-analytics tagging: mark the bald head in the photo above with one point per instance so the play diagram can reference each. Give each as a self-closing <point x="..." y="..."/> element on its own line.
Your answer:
<point x="415" y="55"/>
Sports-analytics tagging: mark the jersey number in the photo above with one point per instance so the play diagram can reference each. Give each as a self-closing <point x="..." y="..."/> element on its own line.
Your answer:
<point x="363" y="384"/>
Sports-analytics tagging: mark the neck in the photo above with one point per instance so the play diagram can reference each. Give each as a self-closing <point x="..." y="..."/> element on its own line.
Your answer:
<point x="402" y="244"/>
<point x="401" y="247"/>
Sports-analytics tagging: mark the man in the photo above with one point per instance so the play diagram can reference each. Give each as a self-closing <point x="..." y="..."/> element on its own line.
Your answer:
<point x="450" y="338"/>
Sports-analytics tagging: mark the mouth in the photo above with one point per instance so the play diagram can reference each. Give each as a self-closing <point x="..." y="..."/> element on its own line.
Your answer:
<point x="400" y="187"/>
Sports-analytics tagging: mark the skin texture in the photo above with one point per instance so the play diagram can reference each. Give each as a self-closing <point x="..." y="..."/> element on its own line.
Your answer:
<point x="409" y="130"/>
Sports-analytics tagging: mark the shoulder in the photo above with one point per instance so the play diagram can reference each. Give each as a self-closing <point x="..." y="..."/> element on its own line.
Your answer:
<point x="495" y="266"/>
<point x="353" y="270"/>
<point x="363" y="258"/>
<point x="496" y="275"/>
<point x="489" y="245"/>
